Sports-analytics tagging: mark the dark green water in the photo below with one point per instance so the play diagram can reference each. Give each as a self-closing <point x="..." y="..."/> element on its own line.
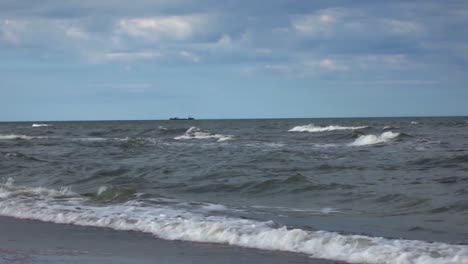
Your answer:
<point x="398" y="178"/>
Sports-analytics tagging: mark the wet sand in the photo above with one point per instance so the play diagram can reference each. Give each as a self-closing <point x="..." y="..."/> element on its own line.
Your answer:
<point x="29" y="241"/>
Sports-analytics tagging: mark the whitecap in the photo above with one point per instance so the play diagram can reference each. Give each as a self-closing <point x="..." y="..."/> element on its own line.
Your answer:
<point x="313" y="128"/>
<point x="317" y="211"/>
<point x="101" y="190"/>
<point x="90" y="139"/>
<point x="14" y="136"/>
<point x="214" y="207"/>
<point x="325" y="145"/>
<point x="181" y="224"/>
<point x="41" y="125"/>
<point x="373" y="139"/>
<point x="8" y="190"/>
<point x="197" y="133"/>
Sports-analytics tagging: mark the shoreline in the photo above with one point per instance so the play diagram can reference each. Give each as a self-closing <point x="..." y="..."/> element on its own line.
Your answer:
<point x="37" y="242"/>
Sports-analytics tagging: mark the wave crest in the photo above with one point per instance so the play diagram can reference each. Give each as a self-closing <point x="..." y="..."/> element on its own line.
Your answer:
<point x="14" y="136"/>
<point x="313" y="128"/>
<point x="197" y="133"/>
<point x="373" y="139"/>
<point x="178" y="224"/>
<point x="41" y="125"/>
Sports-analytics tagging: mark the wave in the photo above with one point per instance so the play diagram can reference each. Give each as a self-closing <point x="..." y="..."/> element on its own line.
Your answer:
<point x="9" y="190"/>
<point x="124" y="139"/>
<point x="313" y="128"/>
<point x="19" y="155"/>
<point x="176" y="224"/>
<point x="389" y="128"/>
<point x="373" y="139"/>
<point x="438" y="162"/>
<point x="320" y="211"/>
<point x="114" y="194"/>
<point x="197" y="133"/>
<point x="14" y="136"/>
<point x="41" y="125"/>
<point x="91" y="139"/>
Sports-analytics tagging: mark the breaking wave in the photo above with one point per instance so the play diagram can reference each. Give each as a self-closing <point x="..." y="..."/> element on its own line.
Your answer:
<point x="373" y="139"/>
<point x="313" y="128"/>
<point x="91" y="139"/>
<point x="197" y="133"/>
<point x="41" y="125"/>
<point x="65" y="207"/>
<point x="130" y="140"/>
<point x="14" y="136"/>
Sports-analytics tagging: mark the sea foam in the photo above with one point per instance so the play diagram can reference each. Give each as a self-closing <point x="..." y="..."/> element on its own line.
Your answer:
<point x="313" y="128"/>
<point x="175" y="224"/>
<point x="14" y="136"/>
<point x="197" y="133"/>
<point x="373" y="139"/>
<point x="41" y="125"/>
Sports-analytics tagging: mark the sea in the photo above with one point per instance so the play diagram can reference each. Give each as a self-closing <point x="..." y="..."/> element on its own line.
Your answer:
<point x="357" y="190"/>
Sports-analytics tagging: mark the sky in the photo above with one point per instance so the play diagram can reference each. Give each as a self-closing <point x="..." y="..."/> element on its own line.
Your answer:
<point x="155" y="59"/>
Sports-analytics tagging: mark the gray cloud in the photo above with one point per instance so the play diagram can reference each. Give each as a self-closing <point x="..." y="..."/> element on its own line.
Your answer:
<point x="298" y="38"/>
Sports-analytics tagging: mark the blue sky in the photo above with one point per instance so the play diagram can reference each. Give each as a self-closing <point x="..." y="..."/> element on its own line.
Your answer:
<point x="154" y="59"/>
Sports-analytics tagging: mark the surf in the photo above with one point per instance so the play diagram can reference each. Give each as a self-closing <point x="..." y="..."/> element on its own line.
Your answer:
<point x="197" y="133"/>
<point x="365" y="140"/>
<point x="65" y="207"/>
<point x="312" y="128"/>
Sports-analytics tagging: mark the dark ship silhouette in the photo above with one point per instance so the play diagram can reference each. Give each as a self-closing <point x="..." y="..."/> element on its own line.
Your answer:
<point x="177" y="118"/>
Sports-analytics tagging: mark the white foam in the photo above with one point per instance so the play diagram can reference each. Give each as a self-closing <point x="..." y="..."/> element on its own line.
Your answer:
<point x="414" y="122"/>
<point x="214" y="207"/>
<point x="197" y="133"/>
<point x="101" y="190"/>
<point x="319" y="211"/>
<point x="325" y="145"/>
<point x="7" y="190"/>
<point x="14" y="136"/>
<point x="176" y="224"/>
<point x="91" y="139"/>
<point x="313" y="128"/>
<point x="41" y="125"/>
<point x="373" y="139"/>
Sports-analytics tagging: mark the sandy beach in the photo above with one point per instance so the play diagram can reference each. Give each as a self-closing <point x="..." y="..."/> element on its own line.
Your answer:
<point x="28" y="241"/>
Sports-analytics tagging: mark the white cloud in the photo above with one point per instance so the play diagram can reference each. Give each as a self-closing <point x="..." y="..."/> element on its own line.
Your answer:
<point x="189" y="56"/>
<point x="326" y="64"/>
<point x="165" y="27"/>
<point x="11" y="30"/>
<point x="388" y="61"/>
<point x="404" y="27"/>
<point x="282" y="68"/>
<point x="307" y="67"/>
<point x="129" y="56"/>
<point x="76" y="33"/>
<point x="225" y="41"/>
<point x="320" y="23"/>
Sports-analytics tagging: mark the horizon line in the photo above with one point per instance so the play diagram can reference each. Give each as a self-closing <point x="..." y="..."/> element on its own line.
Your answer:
<point x="247" y="118"/>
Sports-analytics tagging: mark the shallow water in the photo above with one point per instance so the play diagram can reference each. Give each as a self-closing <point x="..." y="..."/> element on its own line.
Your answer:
<point x="326" y="187"/>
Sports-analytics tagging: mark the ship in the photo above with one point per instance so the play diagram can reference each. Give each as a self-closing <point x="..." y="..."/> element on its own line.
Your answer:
<point x="178" y="118"/>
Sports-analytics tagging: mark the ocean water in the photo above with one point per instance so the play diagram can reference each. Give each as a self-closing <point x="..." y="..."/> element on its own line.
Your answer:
<point x="367" y="190"/>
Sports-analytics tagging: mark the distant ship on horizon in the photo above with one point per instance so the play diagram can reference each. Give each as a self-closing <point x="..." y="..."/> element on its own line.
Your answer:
<point x="178" y="118"/>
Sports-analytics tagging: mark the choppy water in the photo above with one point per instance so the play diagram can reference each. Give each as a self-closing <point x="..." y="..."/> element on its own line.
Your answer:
<point x="380" y="190"/>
